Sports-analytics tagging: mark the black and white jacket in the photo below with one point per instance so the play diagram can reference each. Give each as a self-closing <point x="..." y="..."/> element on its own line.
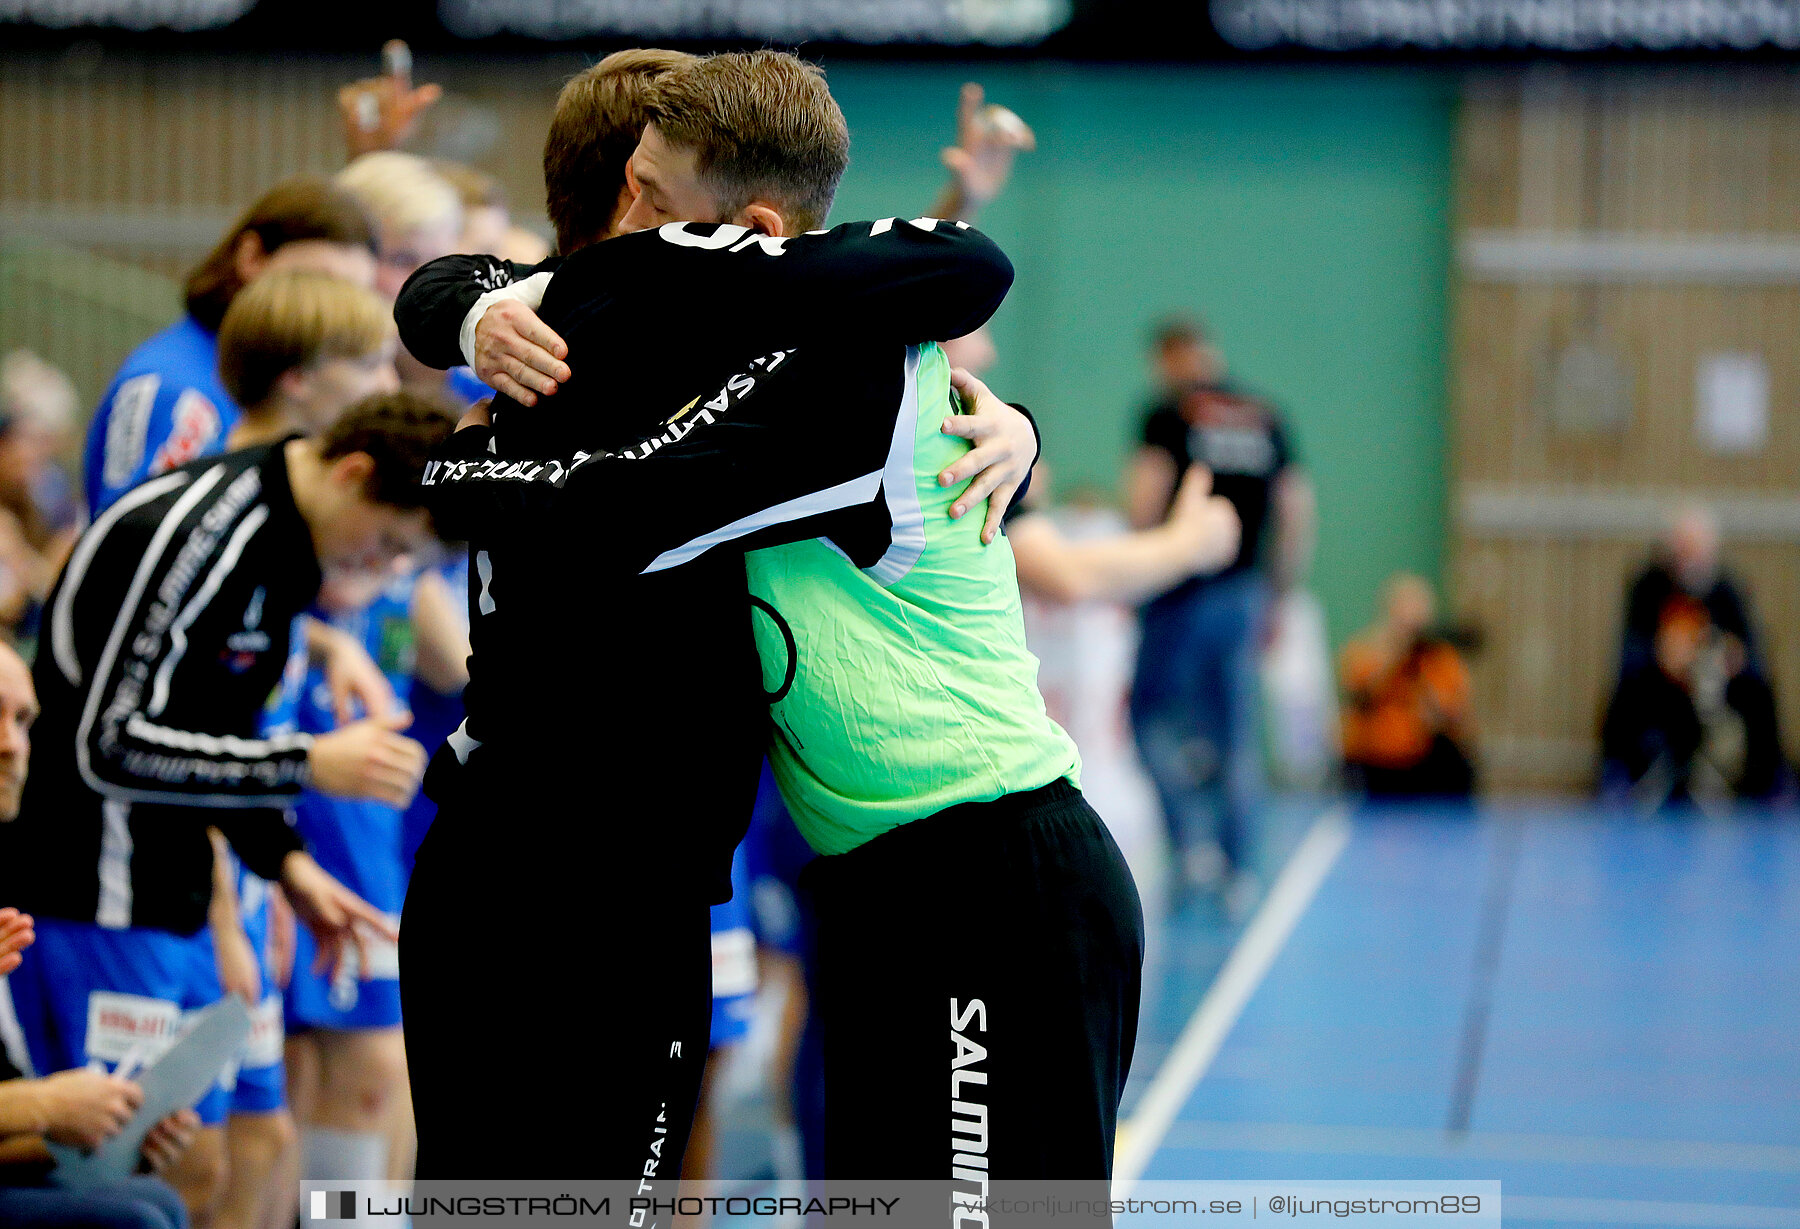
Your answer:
<point x="749" y="389"/>
<point x="163" y="640"/>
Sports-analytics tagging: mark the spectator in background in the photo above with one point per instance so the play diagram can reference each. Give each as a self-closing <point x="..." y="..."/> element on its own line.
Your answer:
<point x="40" y="515"/>
<point x="1194" y="702"/>
<point x="417" y="214"/>
<point x="298" y="349"/>
<point x="1693" y="714"/>
<point x="44" y="401"/>
<point x="418" y="217"/>
<point x="1406" y="715"/>
<point x="166" y="406"/>
<point x="79" y="1107"/>
<point x="487" y="221"/>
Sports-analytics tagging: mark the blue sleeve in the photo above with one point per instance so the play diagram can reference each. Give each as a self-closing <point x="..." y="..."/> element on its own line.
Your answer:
<point x="145" y="426"/>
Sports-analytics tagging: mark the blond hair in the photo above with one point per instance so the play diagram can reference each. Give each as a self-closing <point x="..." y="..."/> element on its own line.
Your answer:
<point x="599" y="117"/>
<point x="282" y="321"/>
<point x="402" y="193"/>
<point x="762" y="125"/>
<point x="474" y="188"/>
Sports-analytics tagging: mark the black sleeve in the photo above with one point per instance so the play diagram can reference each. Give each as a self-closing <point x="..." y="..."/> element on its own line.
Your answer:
<point x="734" y="468"/>
<point x="262" y="838"/>
<point x="1018" y="500"/>
<point x="1165" y="429"/>
<point x="147" y="733"/>
<point x="723" y="471"/>
<point x="887" y="280"/>
<point x="1284" y="445"/>
<point x="434" y="300"/>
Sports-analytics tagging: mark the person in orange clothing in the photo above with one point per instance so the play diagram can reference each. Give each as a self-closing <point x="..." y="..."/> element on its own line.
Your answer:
<point x="1406" y="715"/>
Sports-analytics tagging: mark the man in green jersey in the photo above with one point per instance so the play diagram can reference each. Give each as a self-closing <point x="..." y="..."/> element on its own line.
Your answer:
<point x="964" y="880"/>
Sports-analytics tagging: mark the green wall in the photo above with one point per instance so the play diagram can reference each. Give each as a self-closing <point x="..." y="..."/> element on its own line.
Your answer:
<point x="1304" y="214"/>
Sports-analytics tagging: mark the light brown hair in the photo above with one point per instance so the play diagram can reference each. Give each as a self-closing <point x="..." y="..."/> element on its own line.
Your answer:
<point x="599" y="117"/>
<point x="477" y="189"/>
<point x="294" y="209"/>
<point x="762" y="125"/>
<point x="291" y="319"/>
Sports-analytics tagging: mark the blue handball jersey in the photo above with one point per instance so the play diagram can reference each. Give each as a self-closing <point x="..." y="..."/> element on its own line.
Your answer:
<point x="356" y="839"/>
<point x="165" y="407"/>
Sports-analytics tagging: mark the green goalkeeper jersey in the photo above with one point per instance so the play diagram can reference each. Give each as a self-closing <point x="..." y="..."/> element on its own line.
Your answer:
<point x="912" y="689"/>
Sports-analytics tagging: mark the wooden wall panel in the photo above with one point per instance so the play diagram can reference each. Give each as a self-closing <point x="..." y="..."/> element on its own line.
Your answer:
<point x="1573" y="157"/>
<point x="193" y="139"/>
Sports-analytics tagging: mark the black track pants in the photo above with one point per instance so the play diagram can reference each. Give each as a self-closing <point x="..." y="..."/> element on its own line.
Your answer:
<point x="978" y="981"/>
<point x="557" y="1010"/>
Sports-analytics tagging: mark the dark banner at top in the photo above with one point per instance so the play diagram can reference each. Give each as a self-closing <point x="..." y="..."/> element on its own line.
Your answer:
<point x="1199" y="30"/>
<point x="1474" y="26"/>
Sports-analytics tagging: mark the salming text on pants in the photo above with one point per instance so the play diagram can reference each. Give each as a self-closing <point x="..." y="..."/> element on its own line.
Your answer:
<point x="556" y="1006"/>
<point x="978" y="979"/>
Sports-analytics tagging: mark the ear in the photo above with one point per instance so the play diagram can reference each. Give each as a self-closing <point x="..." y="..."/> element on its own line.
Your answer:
<point x="627" y="194"/>
<point x="353" y="470"/>
<point x="763" y="217"/>
<point x="248" y="257"/>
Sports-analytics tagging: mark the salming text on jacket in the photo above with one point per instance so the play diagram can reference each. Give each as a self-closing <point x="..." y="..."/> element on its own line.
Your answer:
<point x="164" y="638"/>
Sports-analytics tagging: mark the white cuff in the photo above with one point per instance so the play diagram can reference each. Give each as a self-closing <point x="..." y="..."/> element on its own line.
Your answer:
<point x="530" y="292"/>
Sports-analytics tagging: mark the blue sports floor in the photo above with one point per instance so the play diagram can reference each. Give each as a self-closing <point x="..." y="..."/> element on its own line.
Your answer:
<point x="1601" y="1013"/>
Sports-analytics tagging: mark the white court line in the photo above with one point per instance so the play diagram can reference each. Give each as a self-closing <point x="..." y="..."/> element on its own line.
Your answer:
<point x="1647" y="1212"/>
<point x="1262" y="941"/>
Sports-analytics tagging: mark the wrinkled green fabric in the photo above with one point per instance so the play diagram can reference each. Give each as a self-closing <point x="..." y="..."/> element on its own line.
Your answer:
<point x="911" y="696"/>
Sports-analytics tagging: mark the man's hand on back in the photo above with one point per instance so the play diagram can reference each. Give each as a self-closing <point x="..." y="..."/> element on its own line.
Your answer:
<point x="518" y="354"/>
<point x="1006" y="447"/>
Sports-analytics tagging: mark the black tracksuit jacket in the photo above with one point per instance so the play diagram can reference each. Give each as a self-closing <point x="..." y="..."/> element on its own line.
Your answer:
<point x="163" y="639"/>
<point x="624" y="698"/>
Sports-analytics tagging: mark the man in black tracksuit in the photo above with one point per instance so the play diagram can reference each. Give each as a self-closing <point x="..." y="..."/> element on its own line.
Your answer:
<point x="165" y="636"/>
<point x="909" y="738"/>
<point x="617" y="704"/>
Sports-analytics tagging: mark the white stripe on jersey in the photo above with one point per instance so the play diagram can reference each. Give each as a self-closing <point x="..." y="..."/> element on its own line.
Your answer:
<point x="900" y="484"/>
<point x="460" y="742"/>
<point x="843" y="495"/>
<point x="228" y="559"/>
<point x="62" y="619"/>
<point x="114" y="912"/>
<point x="212" y="744"/>
<point x="152" y="557"/>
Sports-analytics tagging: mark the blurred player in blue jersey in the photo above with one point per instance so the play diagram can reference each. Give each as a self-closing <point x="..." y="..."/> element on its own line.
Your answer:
<point x="259" y="1130"/>
<point x="421" y="210"/>
<point x="167" y="404"/>
<point x="344" y="1022"/>
<point x="291" y="347"/>
<point x="296" y="348"/>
